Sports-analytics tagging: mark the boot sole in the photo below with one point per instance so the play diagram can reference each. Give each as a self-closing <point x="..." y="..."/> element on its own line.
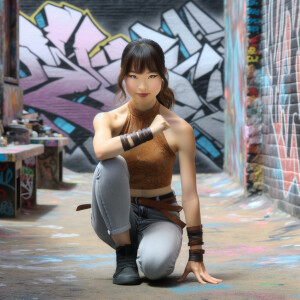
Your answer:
<point x="127" y="281"/>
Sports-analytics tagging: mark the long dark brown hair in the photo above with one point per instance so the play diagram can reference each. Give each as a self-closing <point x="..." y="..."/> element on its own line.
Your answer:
<point x="142" y="54"/>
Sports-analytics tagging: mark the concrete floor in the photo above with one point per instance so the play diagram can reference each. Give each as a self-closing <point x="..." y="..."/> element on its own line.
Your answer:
<point x="52" y="252"/>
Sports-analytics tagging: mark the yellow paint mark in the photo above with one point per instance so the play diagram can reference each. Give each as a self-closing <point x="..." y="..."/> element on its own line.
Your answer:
<point x="103" y="43"/>
<point x="84" y="12"/>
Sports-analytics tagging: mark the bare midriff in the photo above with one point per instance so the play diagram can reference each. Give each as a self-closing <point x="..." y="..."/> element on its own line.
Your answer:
<point x="151" y="193"/>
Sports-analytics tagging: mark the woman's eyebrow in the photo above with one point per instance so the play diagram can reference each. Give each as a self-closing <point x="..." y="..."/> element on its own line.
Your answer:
<point x="142" y="73"/>
<point x="134" y="72"/>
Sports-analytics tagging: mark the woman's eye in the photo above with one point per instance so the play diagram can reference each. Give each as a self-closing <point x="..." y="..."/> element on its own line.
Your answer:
<point x="132" y="76"/>
<point x="152" y="76"/>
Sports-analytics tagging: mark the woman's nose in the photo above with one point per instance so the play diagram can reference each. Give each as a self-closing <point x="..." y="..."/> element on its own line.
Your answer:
<point x="142" y="85"/>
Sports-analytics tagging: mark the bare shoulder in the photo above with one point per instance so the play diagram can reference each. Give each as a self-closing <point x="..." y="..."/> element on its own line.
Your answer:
<point x="113" y="118"/>
<point x="181" y="133"/>
<point x="178" y="124"/>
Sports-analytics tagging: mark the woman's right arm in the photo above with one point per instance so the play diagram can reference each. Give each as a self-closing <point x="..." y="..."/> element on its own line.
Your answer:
<point x="106" y="146"/>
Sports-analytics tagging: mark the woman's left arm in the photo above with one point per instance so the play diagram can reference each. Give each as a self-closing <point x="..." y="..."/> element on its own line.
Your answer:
<point x="190" y="201"/>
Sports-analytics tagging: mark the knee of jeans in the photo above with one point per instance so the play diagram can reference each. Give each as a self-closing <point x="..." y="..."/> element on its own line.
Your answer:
<point x="155" y="268"/>
<point x="116" y="165"/>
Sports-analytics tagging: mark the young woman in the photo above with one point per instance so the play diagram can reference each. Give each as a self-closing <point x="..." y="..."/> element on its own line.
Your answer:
<point x="134" y="208"/>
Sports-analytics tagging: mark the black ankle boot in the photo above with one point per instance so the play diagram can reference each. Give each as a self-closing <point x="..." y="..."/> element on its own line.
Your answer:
<point x="126" y="271"/>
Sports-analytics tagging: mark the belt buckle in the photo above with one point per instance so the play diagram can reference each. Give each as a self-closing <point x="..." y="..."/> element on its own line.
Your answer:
<point x="157" y="198"/>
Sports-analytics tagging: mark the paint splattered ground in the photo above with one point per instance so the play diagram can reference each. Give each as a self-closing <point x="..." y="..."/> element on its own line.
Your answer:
<point x="52" y="252"/>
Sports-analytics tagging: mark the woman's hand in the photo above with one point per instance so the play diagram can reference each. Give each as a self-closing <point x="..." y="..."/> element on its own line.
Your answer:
<point x="199" y="270"/>
<point x="159" y="124"/>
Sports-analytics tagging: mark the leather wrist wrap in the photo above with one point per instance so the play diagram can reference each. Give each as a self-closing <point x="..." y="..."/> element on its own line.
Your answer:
<point x="196" y="255"/>
<point x="138" y="137"/>
<point x="195" y="235"/>
<point x="125" y="142"/>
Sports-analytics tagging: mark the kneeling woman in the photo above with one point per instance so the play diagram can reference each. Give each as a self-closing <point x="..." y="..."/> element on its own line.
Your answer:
<point x="134" y="209"/>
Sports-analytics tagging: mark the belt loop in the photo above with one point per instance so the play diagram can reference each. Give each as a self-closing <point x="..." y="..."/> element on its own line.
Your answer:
<point x="136" y="200"/>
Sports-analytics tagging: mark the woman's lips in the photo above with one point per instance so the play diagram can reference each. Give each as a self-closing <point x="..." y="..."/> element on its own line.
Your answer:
<point x="143" y="95"/>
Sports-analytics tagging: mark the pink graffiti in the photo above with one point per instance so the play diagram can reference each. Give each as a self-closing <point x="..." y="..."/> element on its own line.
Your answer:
<point x="237" y="250"/>
<point x="61" y="66"/>
<point x="285" y="127"/>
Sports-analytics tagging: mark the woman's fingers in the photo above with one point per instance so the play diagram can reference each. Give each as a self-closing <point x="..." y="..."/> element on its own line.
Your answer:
<point x="213" y="278"/>
<point x="208" y="278"/>
<point x="186" y="272"/>
<point x="200" y="273"/>
<point x="199" y="278"/>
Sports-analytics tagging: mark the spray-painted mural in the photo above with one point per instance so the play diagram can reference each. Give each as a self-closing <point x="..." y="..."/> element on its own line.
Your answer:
<point x="69" y="75"/>
<point x="253" y="103"/>
<point x="28" y="182"/>
<point x="11" y="105"/>
<point x="7" y="189"/>
<point x="235" y="89"/>
<point x="281" y="98"/>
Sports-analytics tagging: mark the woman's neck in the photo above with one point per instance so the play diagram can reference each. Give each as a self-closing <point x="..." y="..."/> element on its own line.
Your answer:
<point x="146" y="110"/>
<point x="143" y="106"/>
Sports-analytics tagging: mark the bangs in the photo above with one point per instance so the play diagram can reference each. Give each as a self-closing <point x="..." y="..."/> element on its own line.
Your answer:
<point x="140" y="59"/>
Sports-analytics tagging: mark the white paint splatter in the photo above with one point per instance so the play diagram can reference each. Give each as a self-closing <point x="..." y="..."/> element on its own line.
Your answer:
<point x="51" y="226"/>
<point x="244" y="220"/>
<point x="63" y="235"/>
<point x="255" y="204"/>
<point x="46" y="280"/>
<point x="21" y="267"/>
<point x="19" y="251"/>
<point x="67" y="278"/>
<point x="251" y="205"/>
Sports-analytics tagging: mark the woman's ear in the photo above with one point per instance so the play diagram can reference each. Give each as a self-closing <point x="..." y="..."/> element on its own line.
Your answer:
<point x="165" y="70"/>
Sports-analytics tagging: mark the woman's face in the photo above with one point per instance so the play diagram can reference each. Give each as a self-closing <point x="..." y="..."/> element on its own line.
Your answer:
<point x="144" y="85"/>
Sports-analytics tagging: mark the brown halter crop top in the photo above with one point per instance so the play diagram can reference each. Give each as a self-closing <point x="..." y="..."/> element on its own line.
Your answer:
<point x="150" y="164"/>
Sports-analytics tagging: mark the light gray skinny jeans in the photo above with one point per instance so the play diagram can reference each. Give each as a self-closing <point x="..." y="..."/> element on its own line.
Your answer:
<point x="159" y="240"/>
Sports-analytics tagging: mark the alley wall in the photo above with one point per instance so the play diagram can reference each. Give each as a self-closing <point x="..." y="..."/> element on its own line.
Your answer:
<point x="70" y="59"/>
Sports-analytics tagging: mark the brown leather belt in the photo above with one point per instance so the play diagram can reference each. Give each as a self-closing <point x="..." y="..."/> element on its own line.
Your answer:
<point x="163" y="206"/>
<point x="83" y="206"/>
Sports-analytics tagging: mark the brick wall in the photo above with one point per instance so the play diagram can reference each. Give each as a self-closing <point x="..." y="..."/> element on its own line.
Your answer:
<point x="280" y="97"/>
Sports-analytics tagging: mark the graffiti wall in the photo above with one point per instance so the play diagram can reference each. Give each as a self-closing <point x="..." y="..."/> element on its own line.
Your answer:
<point x="253" y="101"/>
<point x="70" y="59"/>
<point x="281" y="98"/>
<point x="235" y="89"/>
<point x="11" y="105"/>
<point x="28" y="182"/>
<point x="7" y="189"/>
<point x="1" y="58"/>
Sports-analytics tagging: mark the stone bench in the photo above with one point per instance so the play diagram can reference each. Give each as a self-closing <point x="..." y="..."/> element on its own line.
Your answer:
<point x="18" y="178"/>
<point x="50" y="163"/>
